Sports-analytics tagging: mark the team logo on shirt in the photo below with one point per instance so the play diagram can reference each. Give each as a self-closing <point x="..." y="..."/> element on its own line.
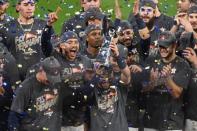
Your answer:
<point x="46" y="102"/>
<point x="26" y="42"/>
<point x="77" y="76"/>
<point x="106" y="102"/>
<point x="39" y="31"/>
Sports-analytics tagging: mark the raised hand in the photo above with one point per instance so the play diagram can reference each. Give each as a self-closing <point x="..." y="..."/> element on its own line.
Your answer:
<point x="136" y="7"/>
<point x="166" y="71"/>
<point x="52" y="17"/>
<point x="118" y="12"/>
<point x="190" y="55"/>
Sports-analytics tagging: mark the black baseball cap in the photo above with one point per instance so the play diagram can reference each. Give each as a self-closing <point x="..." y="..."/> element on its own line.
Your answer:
<point x="166" y="39"/>
<point x="52" y="68"/>
<point x="30" y="1"/>
<point x="93" y="13"/>
<point x="64" y="37"/>
<point x="149" y="3"/>
<point x="124" y="24"/>
<point x="68" y="35"/>
<point x="91" y="28"/>
<point x="192" y="9"/>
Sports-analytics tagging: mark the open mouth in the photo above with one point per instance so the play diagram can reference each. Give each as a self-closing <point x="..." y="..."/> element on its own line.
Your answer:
<point x="29" y="13"/>
<point x="73" y="51"/>
<point x="145" y="18"/>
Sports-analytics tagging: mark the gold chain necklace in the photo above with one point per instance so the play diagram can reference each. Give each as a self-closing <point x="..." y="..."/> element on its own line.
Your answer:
<point x="26" y="30"/>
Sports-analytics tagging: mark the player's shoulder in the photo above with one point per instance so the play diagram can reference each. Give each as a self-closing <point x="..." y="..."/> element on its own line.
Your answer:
<point x="11" y="22"/>
<point x="26" y="85"/>
<point x="182" y="62"/>
<point x="85" y="61"/>
<point x="9" y="26"/>
<point x="40" y="21"/>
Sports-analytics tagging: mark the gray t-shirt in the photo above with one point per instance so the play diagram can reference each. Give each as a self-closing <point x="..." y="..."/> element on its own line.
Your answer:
<point x="108" y="111"/>
<point x="40" y="103"/>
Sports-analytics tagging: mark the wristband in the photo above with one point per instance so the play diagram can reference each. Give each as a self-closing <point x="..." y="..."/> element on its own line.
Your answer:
<point x="47" y="27"/>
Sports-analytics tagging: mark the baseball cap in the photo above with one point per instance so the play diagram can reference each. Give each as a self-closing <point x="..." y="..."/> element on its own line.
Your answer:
<point x="149" y="3"/>
<point x="93" y="13"/>
<point x="192" y="9"/>
<point x="66" y="36"/>
<point x="124" y="24"/>
<point x="30" y="1"/>
<point x="52" y="68"/>
<point x="91" y="28"/>
<point x="166" y="39"/>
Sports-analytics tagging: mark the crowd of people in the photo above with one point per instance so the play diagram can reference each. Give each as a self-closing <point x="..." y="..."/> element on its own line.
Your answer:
<point x="100" y="74"/>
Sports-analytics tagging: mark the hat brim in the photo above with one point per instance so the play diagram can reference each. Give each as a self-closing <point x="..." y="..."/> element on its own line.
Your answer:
<point x="164" y="44"/>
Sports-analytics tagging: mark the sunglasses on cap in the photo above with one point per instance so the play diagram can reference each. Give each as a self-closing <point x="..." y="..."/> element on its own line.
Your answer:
<point x="92" y="0"/>
<point x="182" y="15"/>
<point x="146" y="10"/>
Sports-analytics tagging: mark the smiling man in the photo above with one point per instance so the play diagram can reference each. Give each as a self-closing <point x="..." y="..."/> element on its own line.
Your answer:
<point x="184" y="5"/>
<point x="94" y="41"/>
<point x="185" y="28"/>
<point x="144" y="26"/>
<point x="169" y="77"/>
<point x="73" y="70"/>
<point x="192" y="18"/>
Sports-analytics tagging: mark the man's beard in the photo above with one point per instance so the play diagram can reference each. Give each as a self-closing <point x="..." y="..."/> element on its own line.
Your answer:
<point x="126" y="42"/>
<point x="151" y="23"/>
<point x="195" y="30"/>
<point x="97" y="45"/>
